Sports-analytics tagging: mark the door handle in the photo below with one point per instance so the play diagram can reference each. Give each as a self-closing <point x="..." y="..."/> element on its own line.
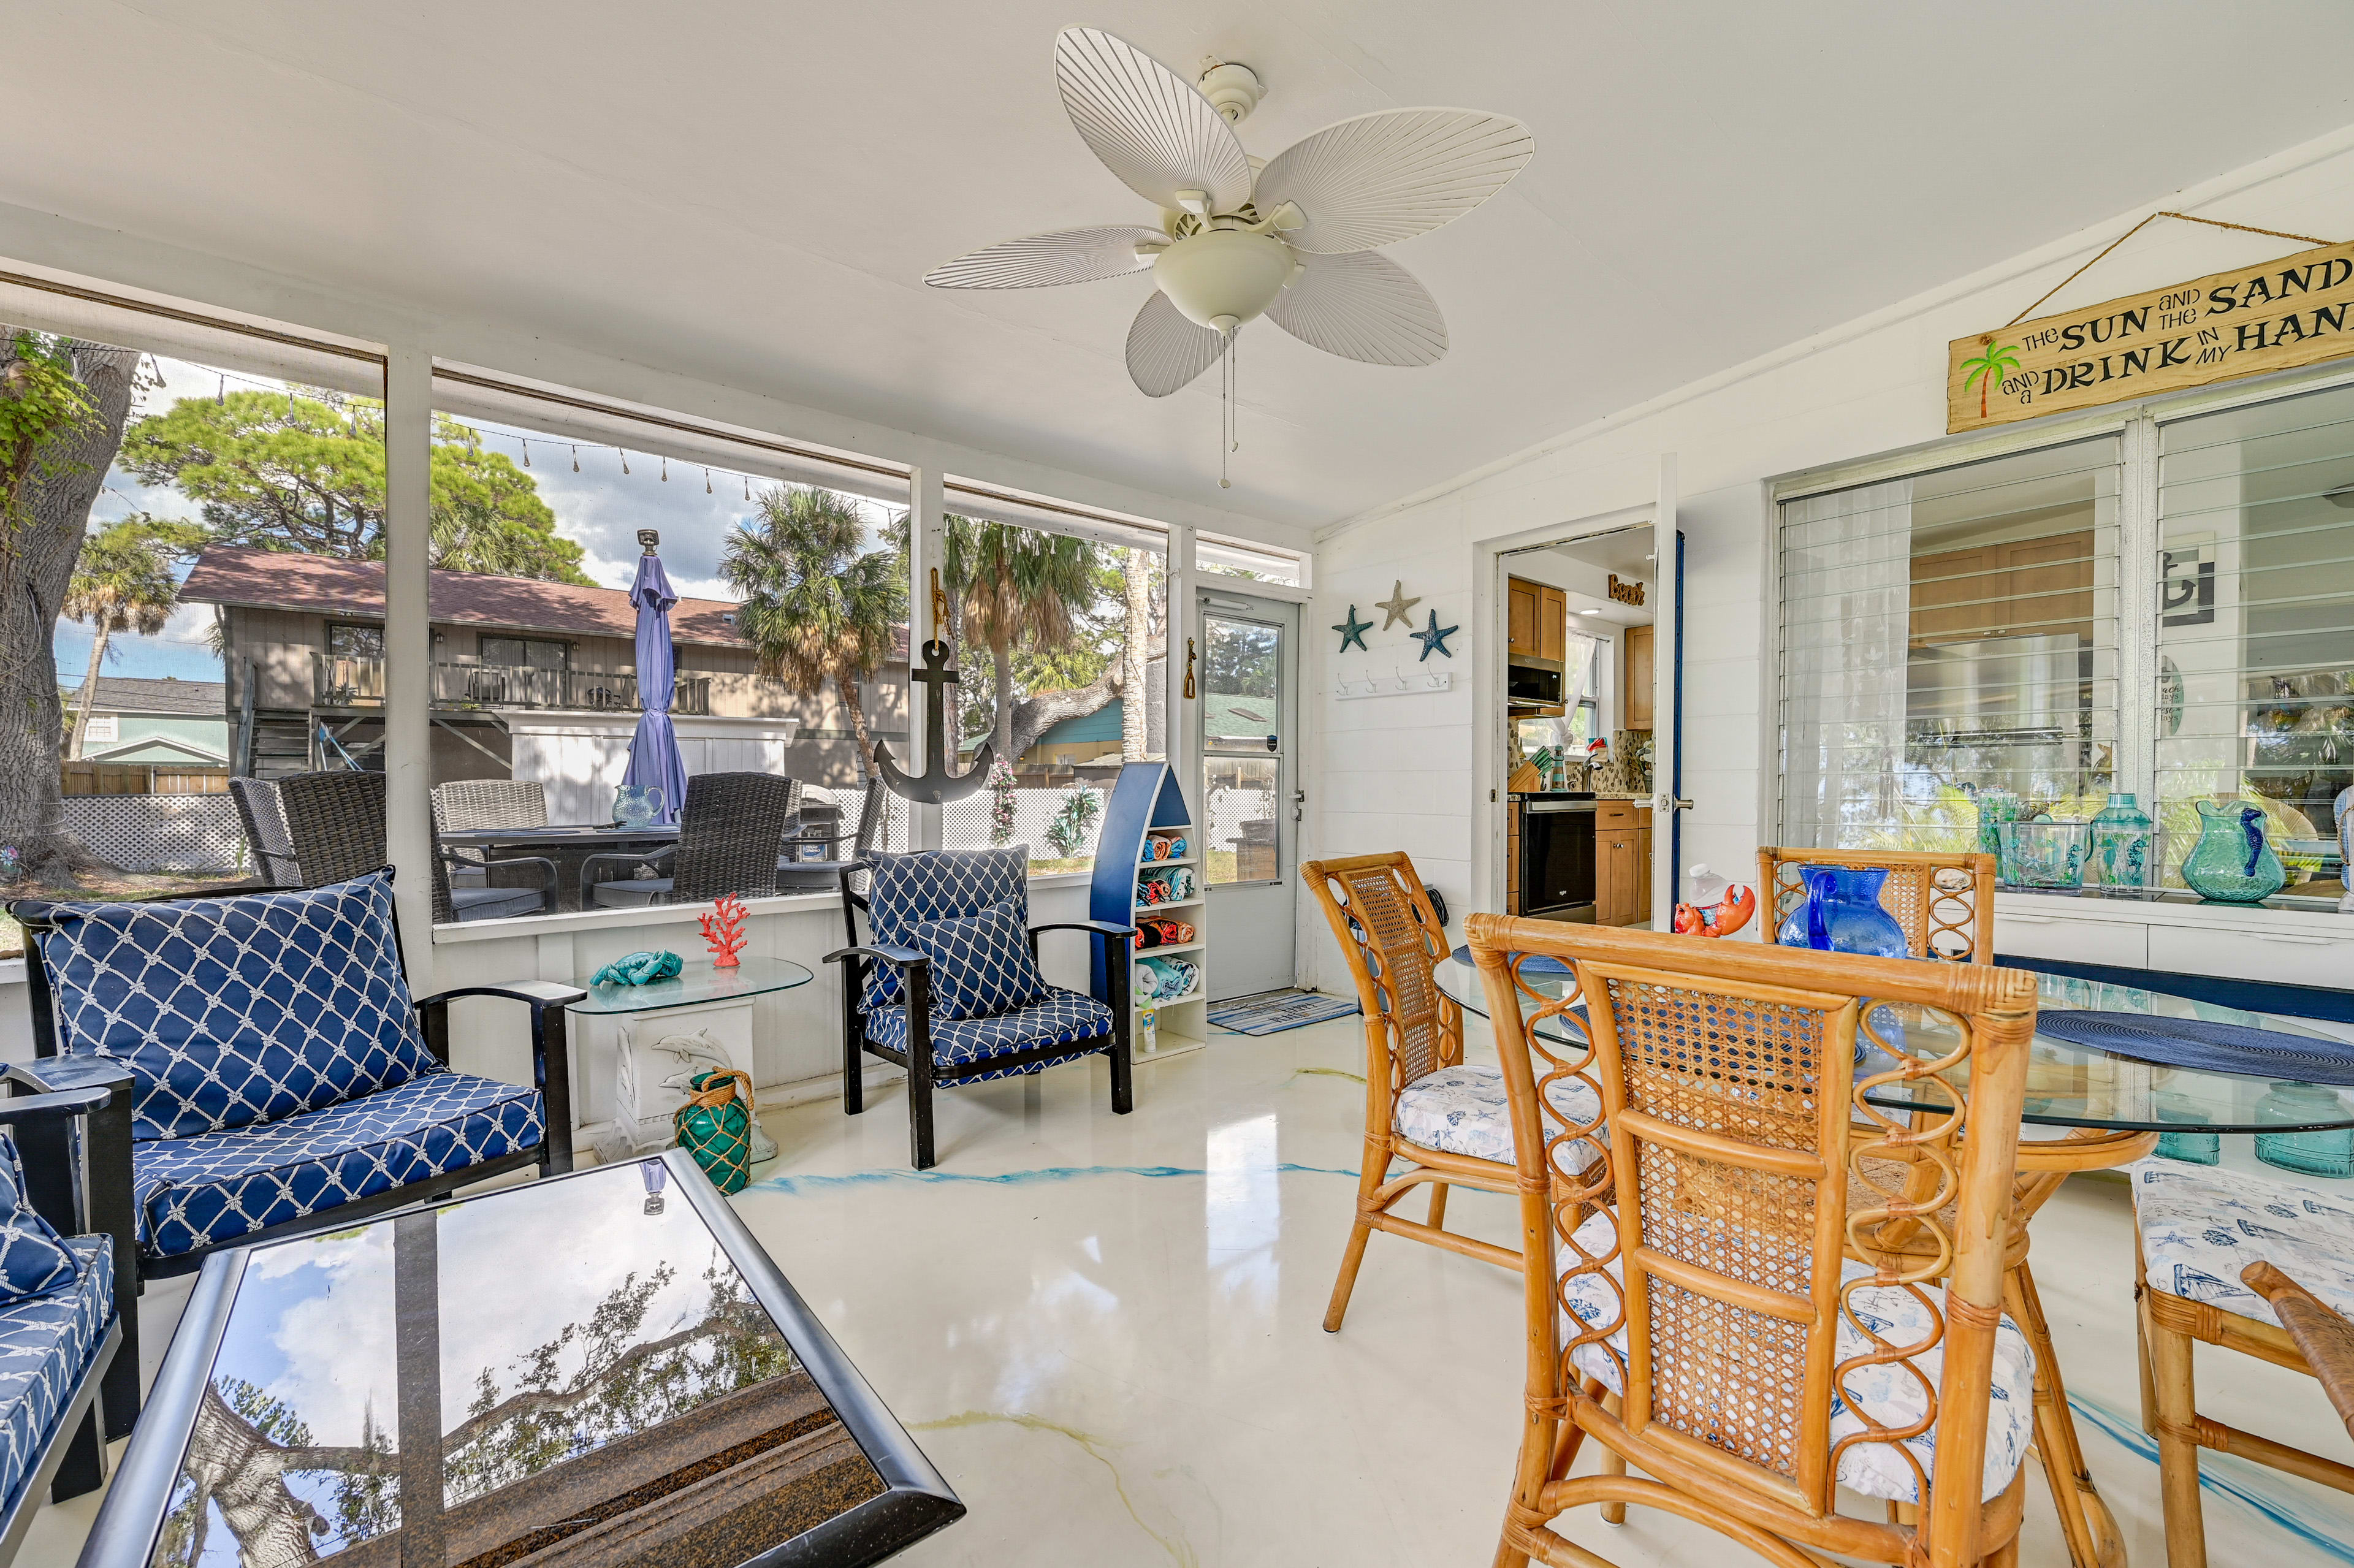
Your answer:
<point x="1663" y="803"/>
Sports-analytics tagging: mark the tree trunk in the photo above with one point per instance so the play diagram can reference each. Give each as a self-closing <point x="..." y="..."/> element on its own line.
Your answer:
<point x="857" y="711"/>
<point x="88" y="686"/>
<point x="1000" y="734"/>
<point x="1032" y="716"/>
<point x="38" y="551"/>
<point x="1135" y="737"/>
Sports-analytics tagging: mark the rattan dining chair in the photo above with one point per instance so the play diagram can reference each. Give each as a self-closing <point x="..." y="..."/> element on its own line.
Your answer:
<point x="1691" y="1303"/>
<point x="264" y="820"/>
<point x="335" y="822"/>
<point x="1945" y="902"/>
<point x="729" y="828"/>
<point x="470" y="804"/>
<point x="1446" y="1119"/>
<point x="2202" y="1232"/>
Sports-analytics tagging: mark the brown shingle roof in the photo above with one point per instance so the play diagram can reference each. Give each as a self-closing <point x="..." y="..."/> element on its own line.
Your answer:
<point x="145" y="695"/>
<point x="279" y="579"/>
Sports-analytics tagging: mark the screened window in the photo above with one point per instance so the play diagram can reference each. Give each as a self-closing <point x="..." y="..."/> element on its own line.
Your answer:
<point x="2254" y="574"/>
<point x="1947" y="635"/>
<point x="526" y="653"/>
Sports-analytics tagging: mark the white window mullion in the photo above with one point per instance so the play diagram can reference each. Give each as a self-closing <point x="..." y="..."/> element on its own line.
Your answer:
<point x="2136" y="758"/>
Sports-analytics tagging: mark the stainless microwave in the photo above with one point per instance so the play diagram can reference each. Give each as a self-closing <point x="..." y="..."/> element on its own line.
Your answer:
<point x="1532" y="683"/>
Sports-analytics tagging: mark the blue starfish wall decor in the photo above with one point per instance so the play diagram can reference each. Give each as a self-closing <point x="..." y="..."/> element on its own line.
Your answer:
<point x="1435" y="640"/>
<point x="1353" y="630"/>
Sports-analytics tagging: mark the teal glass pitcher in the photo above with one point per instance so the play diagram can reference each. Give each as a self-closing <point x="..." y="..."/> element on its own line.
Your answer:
<point x="2233" y="863"/>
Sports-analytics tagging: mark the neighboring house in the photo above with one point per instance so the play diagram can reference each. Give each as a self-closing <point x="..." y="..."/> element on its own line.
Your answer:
<point x="149" y="737"/>
<point x="516" y="660"/>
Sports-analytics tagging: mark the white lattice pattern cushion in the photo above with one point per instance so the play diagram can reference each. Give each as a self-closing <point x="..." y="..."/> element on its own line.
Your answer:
<point x="46" y="1342"/>
<point x="906" y="890"/>
<point x="33" y="1256"/>
<point x="2200" y="1226"/>
<point x="1893" y="1395"/>
<point x="1059" y="1018"/>
<point x="980" y="964"/>
<point x="239" y="1009"/>
<point x="1464" y="1110"/>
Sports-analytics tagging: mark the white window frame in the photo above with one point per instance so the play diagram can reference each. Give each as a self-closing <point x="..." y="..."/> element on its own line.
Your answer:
<point x="2136" y="426"/>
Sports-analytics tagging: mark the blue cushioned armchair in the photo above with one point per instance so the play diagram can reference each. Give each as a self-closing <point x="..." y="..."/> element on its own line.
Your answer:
<point x="926" y="990"/>
<point x="268" y="1073"/>
<point x="62" y="1307"/>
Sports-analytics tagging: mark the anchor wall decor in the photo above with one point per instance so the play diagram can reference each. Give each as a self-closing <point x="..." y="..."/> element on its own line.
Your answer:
<point x="936" y="786"/>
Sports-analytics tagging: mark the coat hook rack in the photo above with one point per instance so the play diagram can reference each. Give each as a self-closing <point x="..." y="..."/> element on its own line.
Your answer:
<point x="1397" y="683"/>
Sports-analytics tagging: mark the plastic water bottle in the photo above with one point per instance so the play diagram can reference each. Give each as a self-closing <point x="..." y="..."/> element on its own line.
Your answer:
<point x="1707" y="887"/>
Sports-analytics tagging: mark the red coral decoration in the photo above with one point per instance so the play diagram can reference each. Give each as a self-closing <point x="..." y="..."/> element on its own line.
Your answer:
<point x="722" y="928"/>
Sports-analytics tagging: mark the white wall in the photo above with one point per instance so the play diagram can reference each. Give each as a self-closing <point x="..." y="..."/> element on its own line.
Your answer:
<point x="1398" y="774"/>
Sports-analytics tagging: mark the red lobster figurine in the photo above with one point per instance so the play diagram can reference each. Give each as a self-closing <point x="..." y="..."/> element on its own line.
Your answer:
<point x="1728" y="915"/>
<point x="722" y="928"/>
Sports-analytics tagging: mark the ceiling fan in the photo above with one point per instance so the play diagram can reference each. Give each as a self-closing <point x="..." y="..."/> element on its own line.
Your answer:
<point x="1293" y="239"/>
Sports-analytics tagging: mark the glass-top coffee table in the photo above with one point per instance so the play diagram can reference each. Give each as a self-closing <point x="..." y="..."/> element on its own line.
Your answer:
<point x="699" y="980"/>
<point x="595" y="1369"/>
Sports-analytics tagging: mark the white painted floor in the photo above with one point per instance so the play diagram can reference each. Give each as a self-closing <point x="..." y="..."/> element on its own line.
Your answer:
<point x="1105" y="1332"/>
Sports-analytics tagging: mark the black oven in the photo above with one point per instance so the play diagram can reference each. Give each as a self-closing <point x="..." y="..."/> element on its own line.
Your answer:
<point x="1532" y="683"/>
<point x="1557" y="857"/>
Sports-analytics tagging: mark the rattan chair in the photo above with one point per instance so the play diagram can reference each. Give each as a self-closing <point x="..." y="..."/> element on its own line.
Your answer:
<point x="264" y="820"/>
<point x="1447" y="1120"/>
<point x="335" y="822"/>
<point x="729" y="830"/>
<point x="470" y="804"/>
<point x="2215" y="1246"/>
<point x="1945" y="902"/>
<point x="841" y="849"/>
<point x="1691" y="1305"/>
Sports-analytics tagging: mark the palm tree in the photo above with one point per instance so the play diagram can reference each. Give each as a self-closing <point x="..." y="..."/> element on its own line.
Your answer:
<point x="123" y="582"/>
<point x="1988" y="369"/>
<point x="816" y="606"/>
<point x="1136" y="624"/>
<point x="1018" y="589"/>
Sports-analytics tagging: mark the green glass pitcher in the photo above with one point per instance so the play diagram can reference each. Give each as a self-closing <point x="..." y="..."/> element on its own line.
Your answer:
<point x="2233" y="863"/>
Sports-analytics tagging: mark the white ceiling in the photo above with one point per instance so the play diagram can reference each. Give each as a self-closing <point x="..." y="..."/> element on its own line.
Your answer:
<point x="749" y="192"/>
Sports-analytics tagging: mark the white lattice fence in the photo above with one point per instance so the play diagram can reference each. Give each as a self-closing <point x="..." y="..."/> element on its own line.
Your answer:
<point x="964" y="824"/>
<point x="159" y="833"/>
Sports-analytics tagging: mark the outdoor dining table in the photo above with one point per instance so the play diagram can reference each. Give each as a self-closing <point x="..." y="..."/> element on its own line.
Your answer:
<point x="568" y="845"/>
<point x="2109" y="1110"/>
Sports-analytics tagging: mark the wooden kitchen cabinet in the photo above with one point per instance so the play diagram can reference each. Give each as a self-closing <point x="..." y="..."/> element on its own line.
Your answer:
<point x="1521" y="621"/>
<point x="1622" y="863"/>
<point x="2023" y="587"/>
<point x="1552" y="623"/>
<point x="1642" y="674"/>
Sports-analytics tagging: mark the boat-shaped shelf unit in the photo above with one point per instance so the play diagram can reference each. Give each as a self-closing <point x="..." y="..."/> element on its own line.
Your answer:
<point x="1146" y="801"/>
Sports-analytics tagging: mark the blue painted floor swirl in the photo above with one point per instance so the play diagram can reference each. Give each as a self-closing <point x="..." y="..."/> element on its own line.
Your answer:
<point x="789" y="1185"/>
<point x="2327" y="1530"/>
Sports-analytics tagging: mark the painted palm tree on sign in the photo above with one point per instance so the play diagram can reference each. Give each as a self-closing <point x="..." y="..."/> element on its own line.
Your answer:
<point x="817" y="606"/>
<point x="1989" y="368"/>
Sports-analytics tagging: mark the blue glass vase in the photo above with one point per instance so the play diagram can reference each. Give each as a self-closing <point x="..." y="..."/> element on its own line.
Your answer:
<point x="1843" y="914"/>
<point x="2231" y="863"/>
<point x="2327" y="1153"/>
<point x="2121" y="840"/>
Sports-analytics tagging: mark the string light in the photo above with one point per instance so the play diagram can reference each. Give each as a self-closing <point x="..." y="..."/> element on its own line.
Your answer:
<point x="706" y="482"/>
<point x="665" y="468"/>
<point x="576" y="460"/>
<point x="526" y="453"/>
<point x="748" y="487"/>
<point x="221" y="397"/>
<point x="625" y="459"/>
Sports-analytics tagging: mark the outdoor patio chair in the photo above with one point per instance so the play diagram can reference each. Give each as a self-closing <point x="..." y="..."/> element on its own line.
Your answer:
<point x="729" y="832"/>
<point x="268" y="1072"/>
<point x="946" y="985"/>
<point x="335" y="822"/>
<point x="489" y="803"/>
<point x="1446" y="1119"/>
<point x="842" y="848"/>
<point x="1945" y="902"/>
<point x="264" y="819"/>
<point x="2202" y="1232"/>
<point x="1691" y="1302"/>
<point x="63" y="1305"/>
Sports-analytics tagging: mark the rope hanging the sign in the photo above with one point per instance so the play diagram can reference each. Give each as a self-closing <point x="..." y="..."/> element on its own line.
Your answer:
<point x="2136" y="228"/>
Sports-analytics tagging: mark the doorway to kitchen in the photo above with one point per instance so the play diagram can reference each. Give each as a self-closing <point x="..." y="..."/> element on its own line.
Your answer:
<point x="1588" y="805"/>
<point x="1251" y="800"/>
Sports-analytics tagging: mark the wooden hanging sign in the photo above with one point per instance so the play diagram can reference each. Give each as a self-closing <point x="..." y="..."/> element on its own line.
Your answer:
<point x="2298" y="309"/>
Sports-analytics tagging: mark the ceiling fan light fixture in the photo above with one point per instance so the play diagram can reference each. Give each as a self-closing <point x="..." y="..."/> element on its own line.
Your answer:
<point x="1223" y="273"/>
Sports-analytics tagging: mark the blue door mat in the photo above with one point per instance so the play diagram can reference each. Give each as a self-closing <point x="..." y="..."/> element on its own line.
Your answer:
<point x="1273" y="1011"/>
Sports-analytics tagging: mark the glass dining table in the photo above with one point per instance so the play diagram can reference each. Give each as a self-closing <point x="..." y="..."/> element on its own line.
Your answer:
<point x="2106" y="1109"/>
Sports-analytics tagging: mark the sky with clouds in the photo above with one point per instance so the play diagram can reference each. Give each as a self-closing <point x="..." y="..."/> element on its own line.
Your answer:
<point x="597" y="507"/>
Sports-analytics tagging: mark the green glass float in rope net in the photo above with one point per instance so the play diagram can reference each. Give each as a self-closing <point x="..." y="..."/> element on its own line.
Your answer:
<point x="715" y="1126"/>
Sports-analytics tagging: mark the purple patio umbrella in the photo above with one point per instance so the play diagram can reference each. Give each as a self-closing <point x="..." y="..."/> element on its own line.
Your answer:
<point x="653" y="750"/>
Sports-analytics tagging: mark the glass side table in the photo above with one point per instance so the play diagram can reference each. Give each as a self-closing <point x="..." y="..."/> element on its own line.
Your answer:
<point x="663" y="1034"/>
